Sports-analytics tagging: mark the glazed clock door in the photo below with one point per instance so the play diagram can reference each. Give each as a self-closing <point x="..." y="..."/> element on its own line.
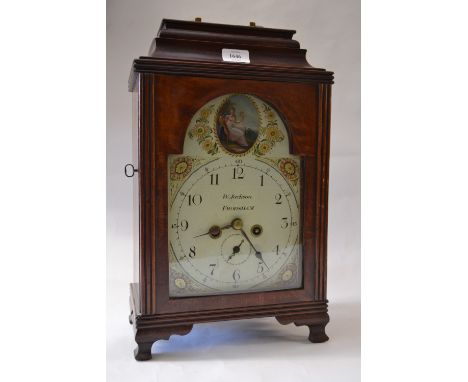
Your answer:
<point x="234" y="208"/>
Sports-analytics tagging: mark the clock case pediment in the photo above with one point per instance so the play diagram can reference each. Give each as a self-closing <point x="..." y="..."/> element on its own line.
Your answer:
<point x="182" y="72"/>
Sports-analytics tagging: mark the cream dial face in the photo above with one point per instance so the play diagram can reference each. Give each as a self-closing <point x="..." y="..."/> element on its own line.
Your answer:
<point x="234" y="203"/>
<point x="255" y="215"/>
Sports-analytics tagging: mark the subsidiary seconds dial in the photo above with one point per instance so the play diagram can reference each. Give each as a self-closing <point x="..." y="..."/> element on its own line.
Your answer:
<point x="234" y="224"/>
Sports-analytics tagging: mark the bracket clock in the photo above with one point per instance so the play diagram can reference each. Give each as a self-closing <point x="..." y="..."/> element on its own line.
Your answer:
<point x="231" y="131"/>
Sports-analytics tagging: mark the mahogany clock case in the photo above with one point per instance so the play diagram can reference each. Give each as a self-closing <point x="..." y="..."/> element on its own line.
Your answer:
<point x="168" y="92"/>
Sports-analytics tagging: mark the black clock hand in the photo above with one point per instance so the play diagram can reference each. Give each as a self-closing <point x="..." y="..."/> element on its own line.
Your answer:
<point x="237" y="224"/>
<point x="214" y="231"/>
<point x="203" y="234"/>
<point x="258" y="254"/>
<point x="235" y="250"/>
<point x="245" y="235"/>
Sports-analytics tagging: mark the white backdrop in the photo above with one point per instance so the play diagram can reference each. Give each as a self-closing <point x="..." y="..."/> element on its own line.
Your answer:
<point x="251" y="349"/>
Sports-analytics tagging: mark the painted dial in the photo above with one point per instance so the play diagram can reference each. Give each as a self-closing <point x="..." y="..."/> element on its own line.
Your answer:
<point x="233" y="225"/>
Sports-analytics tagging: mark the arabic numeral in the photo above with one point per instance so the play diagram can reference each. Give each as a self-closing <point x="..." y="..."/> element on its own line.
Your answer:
<point x="238" y="173"/>
<point x="278" y="199"/>
<point x="236" y="275"/>
<point x="286" y="223"/>
<point x="195" y="200"/>
<point x="261" y="180"/>
<point x="213" y="266"/>
<point x="183" y="225"/>
<point x="260" y="267"/>
<point x="214" y="179"/>
<point x="192" y="252"/>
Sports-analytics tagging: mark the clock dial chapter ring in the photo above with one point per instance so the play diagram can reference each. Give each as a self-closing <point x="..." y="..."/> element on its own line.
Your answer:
<point x="212" y="258"/>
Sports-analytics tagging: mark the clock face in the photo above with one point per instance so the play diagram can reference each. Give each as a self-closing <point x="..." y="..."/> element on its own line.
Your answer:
<point x="234" y="203"/>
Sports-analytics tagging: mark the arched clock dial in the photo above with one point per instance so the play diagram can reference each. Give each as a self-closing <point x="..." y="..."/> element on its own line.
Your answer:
<point x="234" y="224"/>
<point x="234" y="202"/>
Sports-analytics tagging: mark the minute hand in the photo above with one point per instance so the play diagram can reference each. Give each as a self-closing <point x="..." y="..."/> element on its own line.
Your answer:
<point x="258" y="254"/>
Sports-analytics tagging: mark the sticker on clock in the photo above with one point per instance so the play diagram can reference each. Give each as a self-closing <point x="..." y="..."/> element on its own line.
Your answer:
<point x="236" y="55"/>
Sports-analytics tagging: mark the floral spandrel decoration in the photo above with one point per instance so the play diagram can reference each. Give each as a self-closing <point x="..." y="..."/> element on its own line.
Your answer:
<point x="202" y="132"/>
<point x="181" y="167"/>
<point x="289" y="168"/>
<point x="270" y="133"/>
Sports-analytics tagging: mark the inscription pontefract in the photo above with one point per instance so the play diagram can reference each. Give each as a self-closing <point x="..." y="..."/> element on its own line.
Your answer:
<point x="237" y="197"/>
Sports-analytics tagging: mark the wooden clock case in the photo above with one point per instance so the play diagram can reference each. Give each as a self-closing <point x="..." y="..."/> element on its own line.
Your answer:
<point x="183" y="71"/>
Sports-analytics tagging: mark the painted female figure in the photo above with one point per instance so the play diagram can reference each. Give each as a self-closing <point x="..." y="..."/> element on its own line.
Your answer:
<point x="232" y="129"/>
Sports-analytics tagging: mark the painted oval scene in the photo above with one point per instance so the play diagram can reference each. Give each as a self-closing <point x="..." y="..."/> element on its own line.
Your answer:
<point x="237" y="123"/>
